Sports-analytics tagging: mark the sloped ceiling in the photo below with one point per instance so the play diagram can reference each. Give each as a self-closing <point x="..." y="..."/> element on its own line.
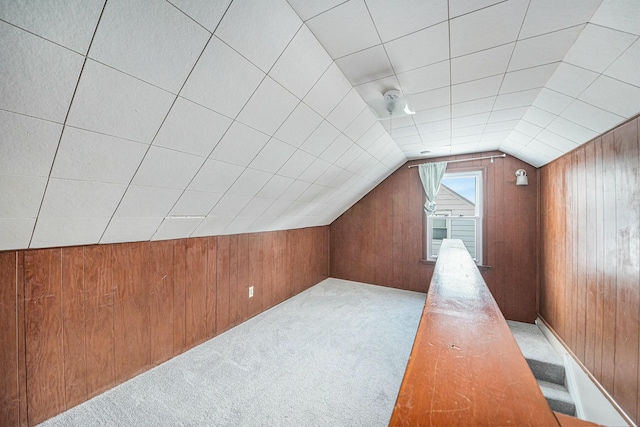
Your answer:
<point x="131" y="120"/>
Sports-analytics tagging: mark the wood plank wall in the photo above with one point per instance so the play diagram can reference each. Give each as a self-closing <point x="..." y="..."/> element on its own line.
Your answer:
<point x="380" y="239"/>
<point x="77" y="321"/>
<point x="590" y="258"/>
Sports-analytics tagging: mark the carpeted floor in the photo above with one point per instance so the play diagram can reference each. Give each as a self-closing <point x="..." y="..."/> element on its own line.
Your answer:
<point x="333" y="355"/>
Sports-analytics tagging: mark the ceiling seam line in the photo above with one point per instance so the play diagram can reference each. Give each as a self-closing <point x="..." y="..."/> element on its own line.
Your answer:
<point x="75" y="90"/>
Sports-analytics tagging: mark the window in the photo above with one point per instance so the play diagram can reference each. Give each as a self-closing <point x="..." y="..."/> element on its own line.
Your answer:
<point x="458" y="214"/>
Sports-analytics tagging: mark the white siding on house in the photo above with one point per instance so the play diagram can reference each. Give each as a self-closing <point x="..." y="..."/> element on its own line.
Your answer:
<point x="448" y="201"/>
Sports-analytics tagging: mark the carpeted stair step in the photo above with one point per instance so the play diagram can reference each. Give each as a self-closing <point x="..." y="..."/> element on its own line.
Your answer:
<point x="558" y="398"/>
<point x="543" y="360"/>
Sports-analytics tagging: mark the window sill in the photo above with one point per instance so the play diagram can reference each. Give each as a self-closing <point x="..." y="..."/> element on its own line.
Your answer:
<point x="429" y="262"/>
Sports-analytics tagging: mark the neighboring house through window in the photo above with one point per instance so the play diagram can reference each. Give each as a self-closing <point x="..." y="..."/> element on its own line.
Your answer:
<point x="458" y="214"/>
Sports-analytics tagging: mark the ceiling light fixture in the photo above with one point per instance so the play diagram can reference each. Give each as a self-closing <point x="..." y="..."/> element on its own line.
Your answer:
<point x="392" y="104"/>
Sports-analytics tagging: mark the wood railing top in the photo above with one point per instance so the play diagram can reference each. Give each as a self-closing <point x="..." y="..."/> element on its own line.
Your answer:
<point x="465" y="367"/>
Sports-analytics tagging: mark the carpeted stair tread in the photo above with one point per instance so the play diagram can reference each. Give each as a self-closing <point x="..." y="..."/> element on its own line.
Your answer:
<point x="558" y="397"/>
<point x="543" y="360"/>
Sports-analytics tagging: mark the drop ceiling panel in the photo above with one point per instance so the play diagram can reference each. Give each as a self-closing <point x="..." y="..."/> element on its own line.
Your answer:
<point x="320" y="139"/>
<point x="336" y="149"/>
<point x="345" y="29"/>
<point x="275" y="187"/>
<point x="206" y="13"/>
<point x="597" y="47"/>
<point x="123" y="229"/>
<point x="259" y="31"/>
<point x="621" y="14"/>
<point x="176" y="228"/>
<point x="528" y="78"/>
<point x="110" y="102"/>
<point x="328" y="91"/>
<point x="431" y="99"/>
<point x="39" y="77"/>
<point x="623" y="68"/>
<point x="21" y="195"/>
<point x="195" y="203"/>
<point x="15" y="232"/>
<point x="249" y="183"/>
<point x="230" y="205"/>
<point x="67" y="231"/>
<point x="544" y="49"/>
<point x="614" y="96"/>
<point x="155" y="33"/>
<point x="222" y="79"/>
<point x="296" y="164"/>
<point x="425" y="78"/>
<point x="272" y="156"/>
<point x="147" y="202"/>
<point x="346" y="111"/>
<point x="166" y="168"/>
<point x="366" y="65"/>
<point x="80" y="199"/>
<point x="570" y="80"/>
<point x="302" y="122"/>
<point x="516" y="99"/>
<point x="240" y="145"/>
<point x="546" y="16"/>
<point x="393" y="22"/>
<point x="476" y="89"/>
<point x="591" y="117"/>
<point x="191" y="128"/>
<point x="307" y="9"/>
<point x="373" y="90"/>
<point x="28" y="144"/>
<point x="215" y="176"/>
<point x="552" y="102"/>
<point x="269" y="107"/>
<point x="486" y="63"/>
<point x="421" y="48"/>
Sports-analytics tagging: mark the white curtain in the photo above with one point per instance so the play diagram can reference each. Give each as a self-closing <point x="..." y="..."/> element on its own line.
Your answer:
<point x="431" y="176"/>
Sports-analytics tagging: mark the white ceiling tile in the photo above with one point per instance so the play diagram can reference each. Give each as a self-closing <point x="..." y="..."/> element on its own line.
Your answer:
<point x="336" y="149"/>
<point x="277" y="208"/>
<point x="426" y="78"/>
<point x="473" y="120"/>
<point x="571" y="80"/>
<point x="320" y="139"/>
<point x="408" y="143"/>
<point x="310" y="194"/>
<point x="623" y="15"/>
<point x="110" y="102"/>
<point x="375" y="132"/>
<point x="431" y="99"/>
<point x="154" y="32"/>
<point x="536" y="158"/>
<point x="359" y="162"/>
<point x="374" y="90"/>
<point x="260" y="31"/>
<point x="256" y="207"/>
<point x="545" y="16"/>
<point x="191" y="128"/>
<point x="591" y="117"/>
<point x="499" y="127"/>
<point x="402" y="132"/>
<point x="15" y="232"/>
<point x="366" y="65"/>
<point x="314" y="171"/>
<point x="28" y="145"/>
<point x="394" y="20"/>
<point x="627" y="66"/>
<point x="130" y="229"/>
<point x="239" y="145"/>
<point x="249" y="183"/>
<point x="398" y="122"/>
<point x="261" y="224"/>
<point x="275" y="187"/>
<point x="268" y="107"/>
<point x="543" y="49"/>
<point x="457" y="8"/>
<point x="69" y="23"/>
<point x="482" y="105"/>
<point x="529" y="78"/>
<point x="518" y="138"/>
<point x="307" y="9"/>
<point x="551" y="101"/>
<point x="509" y="114"/>
<point x="195" y="203"/>
<point x="538" y="117"/>
<point x="528" y="128"/>
<point x="299" y="125"/>
<point x="147" y="202"/>
<point x="301" y="64"/>
<point x="569" y="130"/>
<point x="347" y="110"/>
<point x="67" y="231"/>
<point x="296" y="164"/>
<point x="206" y="13"/>
<point x="215" y="177"/>
<point x="89" y="156"/>
<point x="467" y="131"/>
<point x="230" y="205"/>
<point x="432" y="115"/>
<point x="328" y="91"/>
<point x="273" y="156"/>
<point x="329" y="175"/>
<point x="510" y="147"/>
<point x="421" y="48"/>
<point x="614" y="96"/>
<point x="597" y="47"/>
<point x="554" y="140"/>
<point x="39" y="77"/>
<point x="345" y="29"/>
<point x="486" y="63"/>
<point x="239" y="225"/>
<point x="21" y="195"/>
<point x="434" y="126"/>
<point x="167" y="168"/>
<point x="516" y="99"/>
<point x="212" y="226"/>
<point x="222" y="79"/>
<point x="349" y="156"/>
<point x="295" y="190"/>
<point x="488" y="27"/>
<point x="476" y="89"/>
<point x="176" y="228"/>
<point x="80" y="199"/>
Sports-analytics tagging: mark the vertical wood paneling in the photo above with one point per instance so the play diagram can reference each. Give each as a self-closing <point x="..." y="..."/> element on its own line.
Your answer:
<point x="131" y="310"/>
<point x="595" y="197"/>
<point x="43" y="319"/>
<point x="99" y="320"/>
<point x="222" y="294"/>
<point x="160" y="279"/>
<point x="73" y="324"/>
<point x="77" y="321"/>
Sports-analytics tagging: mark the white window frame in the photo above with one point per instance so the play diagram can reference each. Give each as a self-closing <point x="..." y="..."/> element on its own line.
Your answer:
<point x="477" y="218"/>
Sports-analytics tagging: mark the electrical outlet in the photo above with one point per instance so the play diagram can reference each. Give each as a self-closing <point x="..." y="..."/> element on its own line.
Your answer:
<point x="250" y="291"/>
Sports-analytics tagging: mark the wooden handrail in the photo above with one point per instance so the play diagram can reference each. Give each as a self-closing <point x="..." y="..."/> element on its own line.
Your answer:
<point x="465" y="367"/>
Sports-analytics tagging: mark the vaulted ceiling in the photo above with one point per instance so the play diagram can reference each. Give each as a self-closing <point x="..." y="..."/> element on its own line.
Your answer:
<point x="129" y="120"/>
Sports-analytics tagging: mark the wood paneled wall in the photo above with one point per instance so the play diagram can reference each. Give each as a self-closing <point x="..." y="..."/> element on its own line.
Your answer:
<point x="590" y="258"/>
<point x="77" y="321"/>
<point x="380" y="239"/>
